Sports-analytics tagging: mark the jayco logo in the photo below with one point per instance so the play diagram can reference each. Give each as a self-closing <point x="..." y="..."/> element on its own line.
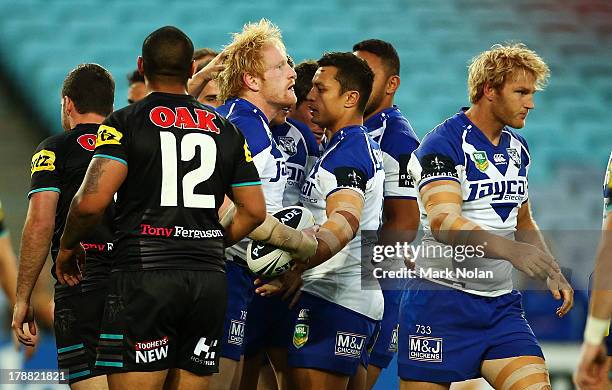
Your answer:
<point x="514" y="190"/>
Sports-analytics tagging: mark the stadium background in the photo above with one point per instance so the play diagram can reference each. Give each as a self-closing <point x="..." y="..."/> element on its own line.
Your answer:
<point x="568" y="134"/>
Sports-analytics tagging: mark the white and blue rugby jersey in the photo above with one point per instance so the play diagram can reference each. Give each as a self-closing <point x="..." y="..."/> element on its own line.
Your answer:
<point x="299" y="147"/>
<point x="351" y="160"/>
<point x="267" y="157"/>
<point x="397" y="141"/>
<point x="494" y="186"/>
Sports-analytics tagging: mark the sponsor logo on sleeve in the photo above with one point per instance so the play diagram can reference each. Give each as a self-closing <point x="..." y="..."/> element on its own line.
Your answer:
<point x="425" y="349"/>
<point x="350" y="177"/>
<point x="248" y="157"/>
<point x="437" y="165"/>
<point x="405" y="178"/>
<point x="43" y="161"/>
<point x="108" y="135"/>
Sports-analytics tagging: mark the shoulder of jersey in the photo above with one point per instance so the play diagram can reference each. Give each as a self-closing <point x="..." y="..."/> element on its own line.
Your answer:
<point x="251" y="126"/>
<point x="311" y="142"/>
<point x="353" y="150"/>
<point x="399" y="136"/>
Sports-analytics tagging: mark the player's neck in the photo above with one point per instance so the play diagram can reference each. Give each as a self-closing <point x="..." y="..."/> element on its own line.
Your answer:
<point x="484" y="119"/>
<point x="80" y="119"/>
<point x="341" y="123"/>
<point x="256" y="99"/>
<point x="173" y="88"/>
<point x="385" y="104"/>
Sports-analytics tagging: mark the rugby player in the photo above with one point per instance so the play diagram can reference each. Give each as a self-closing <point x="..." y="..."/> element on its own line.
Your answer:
<point x="57" y="170"/>
<point x="136" y="87"/>
<point x="335" y="319"/>
<point x="305" y="71"/>
<point x="471" y="172"/>
<point x="594" y="364"/>
<point x="183" y="159"/>
<point x="387" y="126"/>
<point x="269" y="324"/>
<point x="256" y="84"/>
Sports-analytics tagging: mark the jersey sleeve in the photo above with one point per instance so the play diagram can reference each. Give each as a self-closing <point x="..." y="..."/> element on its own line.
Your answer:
<point x="45" y="167"/>
<point x="111" y="140"/>
<point x="397" y="146"/>
<point x="437" y="158"/>
<point x="608" y="189"/>
<point x="349" y="166"/>
<point x="245" y="173"/>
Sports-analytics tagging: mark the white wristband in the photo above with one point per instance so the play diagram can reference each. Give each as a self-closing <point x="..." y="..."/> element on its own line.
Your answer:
<point x="595" y="330"/>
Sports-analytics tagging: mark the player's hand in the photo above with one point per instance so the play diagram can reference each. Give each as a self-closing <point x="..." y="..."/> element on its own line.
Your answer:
<point x="592" y="370"/>
<point x="560" y="288"/>
<point x="23" y="313"/>
<point x="534" y="262"/>
<point x="289" y="283"/>
<point x="309" y="248"/>
<point x="207" y="73"/>
<point x="69" y="265"/>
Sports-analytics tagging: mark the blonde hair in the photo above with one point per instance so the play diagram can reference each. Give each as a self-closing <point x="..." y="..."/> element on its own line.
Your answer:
<point x="495" y="65"/>
<point x="243" y="55"/>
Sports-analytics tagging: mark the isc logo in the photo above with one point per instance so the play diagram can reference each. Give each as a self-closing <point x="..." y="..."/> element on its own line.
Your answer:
<point x="349" y="344"/>
<point x="425" y="349"/>
<point x="236" y="334"/>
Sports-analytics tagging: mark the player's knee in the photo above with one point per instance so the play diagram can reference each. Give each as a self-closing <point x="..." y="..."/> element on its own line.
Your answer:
<point x="521" y="373"/>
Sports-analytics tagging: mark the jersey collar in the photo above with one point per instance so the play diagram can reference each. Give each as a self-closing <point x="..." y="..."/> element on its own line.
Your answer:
<point x="377" y="121"/>
<point x="343" y="133"/>
<point x="247" y="105"/>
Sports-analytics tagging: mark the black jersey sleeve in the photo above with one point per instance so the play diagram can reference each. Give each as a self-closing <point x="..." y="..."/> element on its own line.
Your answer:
<point x="245" y="173"/>
<point x="45" y="168"/>
<point x="111" y="140"/>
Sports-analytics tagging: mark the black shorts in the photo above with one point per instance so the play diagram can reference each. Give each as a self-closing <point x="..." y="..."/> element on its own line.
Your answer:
<point x="160" y="319"/>
<point x="77" y="319"/>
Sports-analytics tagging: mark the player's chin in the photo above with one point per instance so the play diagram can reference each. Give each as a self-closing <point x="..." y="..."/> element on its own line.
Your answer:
<point x="518" y="123"/>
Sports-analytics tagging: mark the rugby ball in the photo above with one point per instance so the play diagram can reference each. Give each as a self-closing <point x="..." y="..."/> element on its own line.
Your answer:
<point x="269" y="261"/>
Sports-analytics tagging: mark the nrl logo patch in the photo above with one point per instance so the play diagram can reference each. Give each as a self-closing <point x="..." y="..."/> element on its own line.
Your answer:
<point x="514" y="156"/>
<point x="480" y="158"/>
<point x="288" y="145"/>
<point x="300" y="335"/>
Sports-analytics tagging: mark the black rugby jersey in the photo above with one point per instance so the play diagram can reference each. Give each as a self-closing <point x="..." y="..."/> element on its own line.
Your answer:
<point x="59" y="165"/>
<point x="182" y="158"/>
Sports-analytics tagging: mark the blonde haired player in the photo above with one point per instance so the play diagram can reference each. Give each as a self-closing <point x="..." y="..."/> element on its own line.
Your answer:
<point x="592" y="370"/>
<point x="471" y="172"/>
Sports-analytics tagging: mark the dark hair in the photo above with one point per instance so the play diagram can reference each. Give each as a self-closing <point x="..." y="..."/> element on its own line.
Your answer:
<point x="167" y="52"/>
<point x="353" y="74"/>
<point x="91" y="88"/>
<point x="135" y="77"/>
<point x="383" y="50"/>
<point x="203" y="52"/>
<point x="303" y="83"/>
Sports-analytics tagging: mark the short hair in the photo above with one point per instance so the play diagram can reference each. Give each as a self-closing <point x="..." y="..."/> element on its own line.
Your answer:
<point x="167" y="53"/>
<point x="305" y="71"/>
<point x="203" y="52"/>
<point x="91" y="88"/>
<point x="353" y="74"/>
<point x="495" y="65"/>
<point x="244" y="56"/>
<point x="135" y="77"/>
<point x="383" y="50"/>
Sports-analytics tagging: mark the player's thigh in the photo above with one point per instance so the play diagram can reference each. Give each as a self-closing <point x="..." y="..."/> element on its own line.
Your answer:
<point x="182" y="379"/>
<point x="137" y="380"/>
<point x="372" y="376"/>
<point x="312" y="379"/>
<point x="96" y="383"/>
<point x="224" y="378"/>
<point x="520" y="372"/>
<point x="415" y="385"/>
<point x="250" y="371"/>
<point x="358" y="381"/>
<point x="278" y="362"/>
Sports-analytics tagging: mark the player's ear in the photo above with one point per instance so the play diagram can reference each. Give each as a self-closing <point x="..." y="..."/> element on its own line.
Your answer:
<point x="251" y="82"/>
<point x="488" y="92"/>
<point x="393" y="84"/>
<point x="194" y="68"/>
<point x="68" y="105"/>
<point x="140" y="65"/>
<point x="352" y="99"/>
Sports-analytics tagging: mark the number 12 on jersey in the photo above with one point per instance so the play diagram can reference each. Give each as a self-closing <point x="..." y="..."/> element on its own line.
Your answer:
<point x="169" y="158"/>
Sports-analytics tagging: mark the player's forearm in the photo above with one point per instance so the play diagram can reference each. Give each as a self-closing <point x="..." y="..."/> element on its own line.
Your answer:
<point x="601" y="297"/>
<point x="8" y="269"/>
<point x="331" y="237"/>
<point x="197" y="82"/>
<point x="80" y="220"/>
<point x="242" y="222"/>
<point x="398" y="230"/>
<point x="527" y="231"/>
<point x="35" y="243"/>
